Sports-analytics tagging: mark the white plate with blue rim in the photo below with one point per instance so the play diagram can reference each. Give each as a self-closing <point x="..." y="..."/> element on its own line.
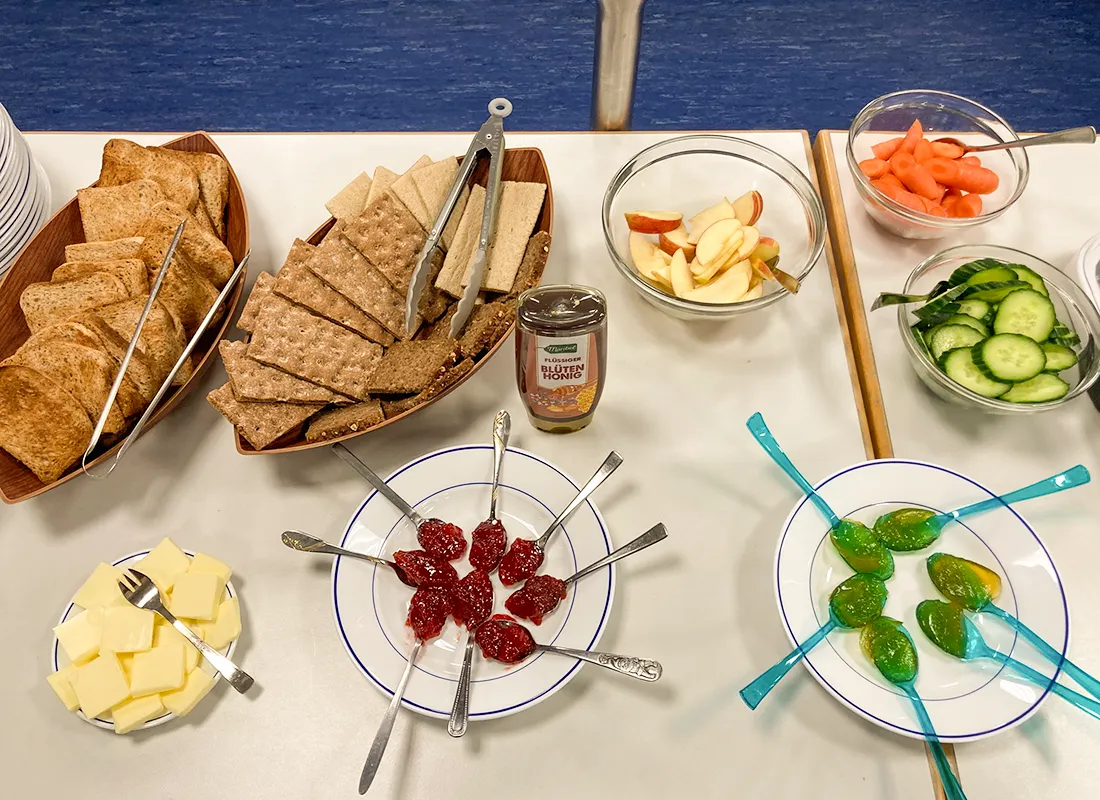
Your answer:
<point x="371" y="605"/>
<point x="966" y="700"/>
<point x="59" y="660"/>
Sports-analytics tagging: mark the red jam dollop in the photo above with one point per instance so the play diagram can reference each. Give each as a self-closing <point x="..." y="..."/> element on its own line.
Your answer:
<point x="538" y="597"/>
<point x="428" y="611"/>
<point x="522" y="560"/>
<point x="503" y="639"/>
<point x="442" y="539"/>
<point x="487" y="544"/>
<point x="473" y="599"/>
<point x="424" y="569"/>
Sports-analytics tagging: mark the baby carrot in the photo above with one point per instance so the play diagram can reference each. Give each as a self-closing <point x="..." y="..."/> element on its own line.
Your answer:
<point x="943" y="170"/>
<point x="886" y="149"/>
<point x="978" y="180"/>
<point x="902" y="196"/>
<point x="918" y="180"/>
<point x="946" y="150"/>
<point x="968" y="206"/>
<point x="892" y="179"/>
<point x="949" y="202"/>
<point x="935" y="209"/>
<point x="973" y="161"/>
<point x="912" y="136"/>
<point x="874" y="167"/>
<point x="923" y="151"/>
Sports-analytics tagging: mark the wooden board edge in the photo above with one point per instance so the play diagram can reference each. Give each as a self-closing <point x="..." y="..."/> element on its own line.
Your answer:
<point x="872" y="408"/>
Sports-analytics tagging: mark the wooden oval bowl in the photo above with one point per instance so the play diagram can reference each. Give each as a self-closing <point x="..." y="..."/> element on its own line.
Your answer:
<point x="520" y="164"/>
<point x="46" y="251"/>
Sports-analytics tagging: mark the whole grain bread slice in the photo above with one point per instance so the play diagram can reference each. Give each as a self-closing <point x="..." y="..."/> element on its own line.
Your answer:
<point x="260" y="423"/>
<point x="46" y="304"/>
<point x="41" y="425"/>
<point x="185" y="293"/>
<point x="199" y="249"/>
<point x="213" y="174"/>
<point x="487" y="323"/>
<point x="124" y="161"/>
<point x="533" y="264"/>
<point x="409" y="367"/>
<point x="130" y="398"/>
<point x="256" y="382"/>
<point x="130" y="247"/>
<point x="131" y="271"/>
<point x="337" y="422"/>
<point x="117" y="212"/>
<point x="141" y="373"/>
<point x="161" y="341"/>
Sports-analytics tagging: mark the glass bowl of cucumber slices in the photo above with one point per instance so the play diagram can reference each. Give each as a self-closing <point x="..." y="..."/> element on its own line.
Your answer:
<point x="1000" y="330"/>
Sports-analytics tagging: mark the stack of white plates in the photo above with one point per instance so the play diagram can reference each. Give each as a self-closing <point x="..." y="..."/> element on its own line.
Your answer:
<point x="24" y="192"/>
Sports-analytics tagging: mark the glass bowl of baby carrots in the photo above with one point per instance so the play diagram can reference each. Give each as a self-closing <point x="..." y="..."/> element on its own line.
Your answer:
<point x="919" y="186"/>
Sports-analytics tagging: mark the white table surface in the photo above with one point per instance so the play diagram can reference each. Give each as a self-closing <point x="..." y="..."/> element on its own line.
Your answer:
<point x="1053" y="754"/>
<point x="676" y="402"/>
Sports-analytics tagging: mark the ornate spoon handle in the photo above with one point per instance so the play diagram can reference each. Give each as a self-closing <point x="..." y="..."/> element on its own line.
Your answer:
<point x="641" y="668"/>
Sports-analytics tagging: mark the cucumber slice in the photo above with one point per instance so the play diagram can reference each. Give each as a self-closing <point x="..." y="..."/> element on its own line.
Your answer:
<point x="950" y="337"/>
<point x="997" y="274"/>
<point x="959" y="366"/>
<point x="941" y="303"/>
<point x="978" y="309"/>
<point x="1031" y="277"/>
<point x="963" y="274"/>
<point x="1059" y="357"/>
<point x="1027" y="312"/>
<point x="964" y="319"/>
<point x="994" y="292"/>
<point x="1064" y="335"/>
<point x="918" y="334"/>
<point x="1043" y="388"/>
<point x="1010" y="357"/>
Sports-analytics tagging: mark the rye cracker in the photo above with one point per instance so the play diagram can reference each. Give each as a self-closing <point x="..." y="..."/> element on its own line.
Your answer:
<point x="404" y="188"/>
<point x="256" y="382"/>
<point x="260" y="423"/>
<point x="382" y="180"/>
<point x="265" y="283"/>
<point x="390" y="238"/>
<point x="340" y="421"/>
<point x="433" y="182"/>
<point x="520" y="206"/>
<point x="410" y="367"/>
<point x="465" y="241"/>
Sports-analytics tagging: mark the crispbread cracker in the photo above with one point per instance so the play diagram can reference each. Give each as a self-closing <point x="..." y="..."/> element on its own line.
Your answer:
<point x="433" y="182"/>
<point x="390" y="238"/>
<point x="487" y="323"/>
<point x="46" y="304"/>
<point x="124" y="161"/>
<point x="213" y="174"/>
<point x="265" y="282"/>
<point x="116" y="212"/>
<point x="520" y="205"/>
<point x="184" y="292"/>
<point x="450" y="376"/>
<point x="464" y="244"/>
<point x="161" y="341"/>
<point x="256" y="382"/>
<point x="41" y="424"/>
<point x="297" y="284"/>
<point x="533" y="264"/>
<point x="104" y="251"/>
<point x="409" y="367"/>
<point x="350" y="201"/>
<point x="260" y="423"/>
<point x="199" y="249"/>
<point x="383" y="179"/>
<point x="339" y="421"/>
<point x="345" y="269"/>
<point x="131" y="271"/>
<point x="83" y="372"/>
<point x="289" y="338"/>
<point x="404" y="188"/>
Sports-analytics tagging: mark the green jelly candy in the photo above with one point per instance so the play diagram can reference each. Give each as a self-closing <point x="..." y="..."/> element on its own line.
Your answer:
<point x="892" y="651"/>
<point x="858" y="600"/>
<point x="944" y="626"/>
<point x="964" y="582"/>
<point x="860" y="549"/>
<point x="867" y="635"/>
<point x="907" y="529"/>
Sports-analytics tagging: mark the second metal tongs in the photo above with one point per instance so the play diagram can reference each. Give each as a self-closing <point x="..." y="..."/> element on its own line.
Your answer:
<point x="490" y="141"/>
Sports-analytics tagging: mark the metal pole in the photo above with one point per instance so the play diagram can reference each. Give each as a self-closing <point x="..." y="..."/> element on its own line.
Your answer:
<point x="618" y="32"/>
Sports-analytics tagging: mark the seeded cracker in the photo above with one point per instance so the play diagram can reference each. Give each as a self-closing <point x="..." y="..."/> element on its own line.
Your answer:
<point x="393" y="408"/>
<point x="487" y="323"/>
<point x="260" y="423"/>
<point x="260" y="292"/>
<point x="298" y="285"/>
<point x="390" y="237"/>
<point x="255" y="382"/>
<point x="534" y="263"/>
<point x="339" y="421"/>
<point x="409" y="367"/>
<point x="291" y="339"/>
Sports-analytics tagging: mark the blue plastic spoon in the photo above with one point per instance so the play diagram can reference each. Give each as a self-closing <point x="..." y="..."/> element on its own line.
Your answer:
<point x="947" y="627"/>
<point x="764" y="438"/>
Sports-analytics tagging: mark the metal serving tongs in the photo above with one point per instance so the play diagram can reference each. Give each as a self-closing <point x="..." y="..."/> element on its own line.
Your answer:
<point x="164" y="387"/>
<point x="489" y="139"/>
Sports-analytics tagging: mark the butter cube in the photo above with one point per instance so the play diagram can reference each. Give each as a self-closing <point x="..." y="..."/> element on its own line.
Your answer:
<point x="204" y="563"/>
<point x="158" y="670"/>
<point x="164" y="633"/>
<point x="101" y="588"/>
<point x="164" y="564"/>
<point x="195" y="688"/>
<point x="196" y="595"/>
<point x="126" y="629"/>
<point x="80" y="636"/>
<point x="63" y="687"/>
<point x="137" y="712"/>
<point x="126" y="661"/>
<point x="100" y="685"/>
<point x="226" y="627"/>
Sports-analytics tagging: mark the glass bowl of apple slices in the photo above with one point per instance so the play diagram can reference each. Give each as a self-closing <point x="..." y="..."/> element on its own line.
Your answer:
<point x="675" y="235"/>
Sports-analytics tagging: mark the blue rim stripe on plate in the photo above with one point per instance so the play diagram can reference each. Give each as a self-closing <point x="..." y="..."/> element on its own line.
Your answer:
<point x="809" y="664"/>
<point x="496" y="712"/>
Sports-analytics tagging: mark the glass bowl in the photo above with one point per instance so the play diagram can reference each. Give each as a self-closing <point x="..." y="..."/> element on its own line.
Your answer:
<point x="1070" y="303"/>
<point x="691" y="173"/>
<point x="939" y="112"/>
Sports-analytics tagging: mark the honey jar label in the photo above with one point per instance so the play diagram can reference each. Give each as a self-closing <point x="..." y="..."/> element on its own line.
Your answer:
<point x="561" y="361"/>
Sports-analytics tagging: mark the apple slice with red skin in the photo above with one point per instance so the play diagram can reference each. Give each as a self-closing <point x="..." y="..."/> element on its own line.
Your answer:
<point x="677" y="240"/>
<point x="748" y="207"/>
<point x="653" y="221"/>
<point x="761" y="268"/>
<point x="766" y="249"/>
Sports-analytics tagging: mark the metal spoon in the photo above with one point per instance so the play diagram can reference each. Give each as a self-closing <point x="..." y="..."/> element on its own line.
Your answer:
<point x="374" y="480"/>
<point x="644" y="669"/>
<point x="460" y="711"/>
<point x="502" y="429"/>
<point x="303" y="542"/>
<point x="382" y="738"/>
<point x="609" y="465"/>
<point x="1085" y="134"/>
